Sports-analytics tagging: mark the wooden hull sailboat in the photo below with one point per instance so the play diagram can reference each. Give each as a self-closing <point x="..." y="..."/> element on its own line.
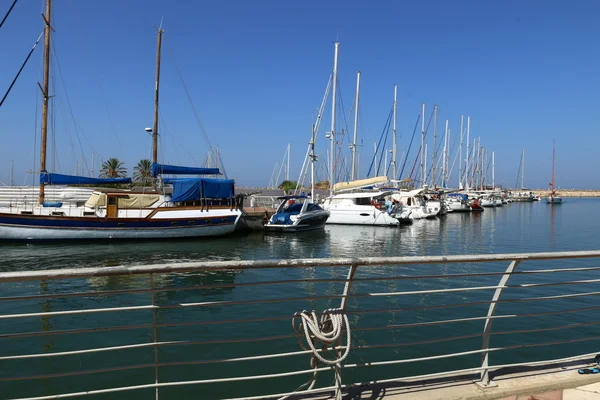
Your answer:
<point x="194" y="207"/>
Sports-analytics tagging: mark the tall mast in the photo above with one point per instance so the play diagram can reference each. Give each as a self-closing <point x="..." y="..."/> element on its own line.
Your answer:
<point x="46" y="96"/>
<point x="493" y="172"/>
<point x="312" y="164"/>
<point x="425" y="162"/>
<point x="287" y="170"/>
<point x="394" y="168"/>
<point x="333" y="101"/>
<point x="460" y="165"/>
<point x="156" y="91"/>
<point x="422" y="144"/>
<point x="434" y="157"/>
<point x="553" y="152"/>
<point x="523" y="170"/>
<point x="468" y="154"/>
<point x="443" y="155"/>
<point x="354" y="173"/>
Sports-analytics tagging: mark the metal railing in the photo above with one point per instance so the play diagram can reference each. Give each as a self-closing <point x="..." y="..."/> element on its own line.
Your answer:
<point x="145" y="323"/>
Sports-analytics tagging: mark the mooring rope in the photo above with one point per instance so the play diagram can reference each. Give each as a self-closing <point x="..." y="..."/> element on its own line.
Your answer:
<point x="327" y="329"/>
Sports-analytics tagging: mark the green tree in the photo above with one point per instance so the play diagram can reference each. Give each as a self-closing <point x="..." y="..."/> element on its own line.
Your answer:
<point x="113" y="168"/>
<point x="142" y="172"/>
<point x="288" y="185"/>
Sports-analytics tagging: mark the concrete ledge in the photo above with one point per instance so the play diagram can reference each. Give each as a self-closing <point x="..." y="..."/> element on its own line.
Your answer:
<point x="522" y="381"/>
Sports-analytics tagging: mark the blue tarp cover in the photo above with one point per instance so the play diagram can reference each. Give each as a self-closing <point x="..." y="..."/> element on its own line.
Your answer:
<point x="197" y="188"/>
<point x="161" y="169"/>
<point x="59" y="179"/>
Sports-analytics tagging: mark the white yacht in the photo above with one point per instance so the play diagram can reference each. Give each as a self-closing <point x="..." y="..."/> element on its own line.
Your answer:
<point x="414" y="205"/>
<point x="360" y="208"/>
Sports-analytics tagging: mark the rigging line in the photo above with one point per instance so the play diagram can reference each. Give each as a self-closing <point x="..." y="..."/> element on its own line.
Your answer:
<point x="7" y="14"/>
<point x="519" y="172"/>
<point x="385" y="127"/>
<point x="69" y="106"/>
<point x="455" y="157"/>
<point x="97" y="82"/>
<point x="419" y="152"/>
<point x="191" y="102"/>
<point x="344" y="130"/>
<point x="387" y="133"/>
<point x="21" y="69"/>
<point x="167" y="132"/>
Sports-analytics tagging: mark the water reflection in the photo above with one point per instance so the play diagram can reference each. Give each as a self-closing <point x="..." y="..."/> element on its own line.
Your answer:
<point x="517" y="227"/>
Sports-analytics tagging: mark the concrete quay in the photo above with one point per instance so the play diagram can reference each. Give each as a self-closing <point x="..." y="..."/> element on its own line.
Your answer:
<point x="552" y="382"/>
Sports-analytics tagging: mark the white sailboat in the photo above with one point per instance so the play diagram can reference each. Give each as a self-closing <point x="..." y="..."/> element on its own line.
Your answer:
<point x="358" y="207"/>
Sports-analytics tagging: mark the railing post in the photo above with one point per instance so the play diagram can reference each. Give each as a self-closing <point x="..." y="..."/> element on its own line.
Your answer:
<point x="343" y="304"/>
<point x="154" y="334"/>
<point x="347" y="286"/>
<point x="487" y="329"/>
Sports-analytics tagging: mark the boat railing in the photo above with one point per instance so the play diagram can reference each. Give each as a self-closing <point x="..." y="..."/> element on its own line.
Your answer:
<point x="212" y="327"/>
<point x="255" y="201"/>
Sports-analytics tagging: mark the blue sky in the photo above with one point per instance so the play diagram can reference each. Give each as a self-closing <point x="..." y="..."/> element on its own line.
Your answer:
<point x="526" y="73"/>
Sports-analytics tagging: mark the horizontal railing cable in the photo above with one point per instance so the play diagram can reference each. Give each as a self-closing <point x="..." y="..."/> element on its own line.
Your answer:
<point x="291" y="263"/>
<point x="295" y="373"/>
<point x="281" y="282"/>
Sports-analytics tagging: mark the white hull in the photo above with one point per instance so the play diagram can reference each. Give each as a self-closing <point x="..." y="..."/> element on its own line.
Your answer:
<point x="489" y="203"/>
<point x="355" y="209"/>
<point x="554" y="200"/>
<point x="358" y="216"/>
<point x="458" y="207"/>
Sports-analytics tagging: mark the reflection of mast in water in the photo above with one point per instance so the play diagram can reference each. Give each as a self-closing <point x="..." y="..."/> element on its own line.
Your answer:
<point x="552" y="225"/>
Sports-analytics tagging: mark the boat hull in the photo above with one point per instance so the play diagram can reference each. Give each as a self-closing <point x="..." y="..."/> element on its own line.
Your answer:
<point x="44" y="228"/>
<point x="554" y="200"/>
<point x="311" y="223"/>
<point x="355" y="217"/>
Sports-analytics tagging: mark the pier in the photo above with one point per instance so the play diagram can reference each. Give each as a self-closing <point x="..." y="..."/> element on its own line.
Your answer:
<point x="133" y="329"/>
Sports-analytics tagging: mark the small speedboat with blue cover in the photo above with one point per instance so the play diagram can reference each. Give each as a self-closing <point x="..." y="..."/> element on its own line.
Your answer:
<point x="296" y="214"/>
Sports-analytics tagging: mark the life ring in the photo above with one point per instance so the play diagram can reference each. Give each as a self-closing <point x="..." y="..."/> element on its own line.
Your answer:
<point x="378" y="205"/>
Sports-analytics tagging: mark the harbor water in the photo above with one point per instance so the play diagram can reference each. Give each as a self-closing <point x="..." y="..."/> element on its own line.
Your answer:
<point x="513" y="228"/>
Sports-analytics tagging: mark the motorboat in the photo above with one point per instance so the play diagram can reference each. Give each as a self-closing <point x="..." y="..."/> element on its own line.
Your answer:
<point x="297" y="214"/>
<point x="458" y="202"/>
<point x="361" y="208"/>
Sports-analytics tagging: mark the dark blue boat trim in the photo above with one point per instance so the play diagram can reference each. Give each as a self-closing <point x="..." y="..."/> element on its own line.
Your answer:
<point x="114" y="223"/>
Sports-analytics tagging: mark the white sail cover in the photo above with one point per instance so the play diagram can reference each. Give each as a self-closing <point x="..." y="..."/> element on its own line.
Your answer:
<point x="360" y="183"/>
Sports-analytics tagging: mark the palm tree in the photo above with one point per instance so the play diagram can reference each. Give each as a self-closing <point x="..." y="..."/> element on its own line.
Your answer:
<point x="113" y="168"/>
<point x="142" y="172"/>
<point x="288" y="185"/>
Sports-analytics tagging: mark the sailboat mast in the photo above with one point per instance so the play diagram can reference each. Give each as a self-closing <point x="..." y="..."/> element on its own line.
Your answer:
<point x="443" y="155"/>
<point x="45" y="89"/>
<point x="468" y="154"/>
<point x="493" y="172"/>
<point x="312" y="165"/>
<point x="156" y="91"/>
<point x="460" y="147"/>
<point x="354" y="173"/>
<point x="434" y="157"/>
<point x="333" y="101"/>
<point x="523" y="170"/>
<point x="394" y="168"/>
<point x="422" y="144"/>
<point x="553" y="152"/>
